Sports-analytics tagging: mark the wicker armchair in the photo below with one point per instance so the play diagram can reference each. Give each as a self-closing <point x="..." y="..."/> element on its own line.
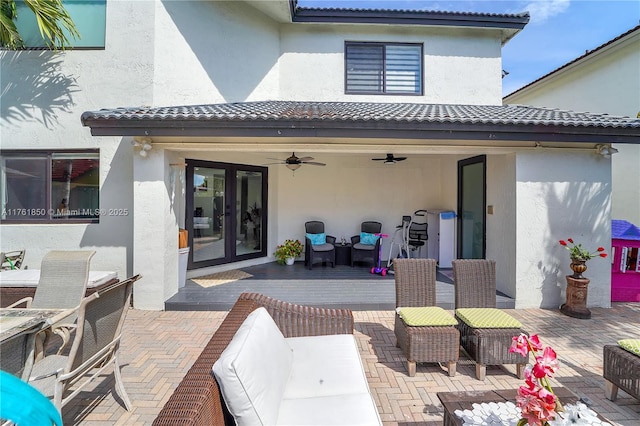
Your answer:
<point x="475" y="287"/>
<point x="324" y="252"/>
<point x="416" y="287"/>
<point x="621" y="369"/>
<point x="365" y="252"/>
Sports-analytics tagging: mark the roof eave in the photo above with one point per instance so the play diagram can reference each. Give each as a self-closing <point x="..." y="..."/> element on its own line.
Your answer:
<point x="509" y="24"/>
<point x="361" y="129"/>
<point x="417" y="18"/>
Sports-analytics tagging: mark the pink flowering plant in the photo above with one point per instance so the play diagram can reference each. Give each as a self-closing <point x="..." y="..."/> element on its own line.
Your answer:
<point x="577" y="252"/>
<point x="535" y="398"/>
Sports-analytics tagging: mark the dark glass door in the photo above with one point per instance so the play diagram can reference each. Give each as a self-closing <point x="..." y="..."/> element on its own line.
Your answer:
<point x="472" y="190"/>
<point x="226" y="212"/>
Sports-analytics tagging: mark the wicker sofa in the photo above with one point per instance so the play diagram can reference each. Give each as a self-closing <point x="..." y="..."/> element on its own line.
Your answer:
<point x="198" y="398"/>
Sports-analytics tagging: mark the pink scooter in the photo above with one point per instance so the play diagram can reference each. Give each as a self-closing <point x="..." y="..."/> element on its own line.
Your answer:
<point x="379" y="269"/>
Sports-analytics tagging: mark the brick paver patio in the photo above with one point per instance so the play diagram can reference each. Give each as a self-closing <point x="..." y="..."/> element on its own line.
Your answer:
<point x="159" y="347"/>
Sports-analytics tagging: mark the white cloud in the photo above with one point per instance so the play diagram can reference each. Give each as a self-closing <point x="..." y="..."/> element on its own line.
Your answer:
<point x="541" y="10"/>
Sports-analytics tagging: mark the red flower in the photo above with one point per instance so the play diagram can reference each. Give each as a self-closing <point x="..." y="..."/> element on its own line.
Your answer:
<point x="535" y="398"/>
<point x="534" y="341"/>
<point x="547" y="364"/>
<point x="520" y="345"/>
<point x="523" y="345"/>
<point x="537" y="405"/>
<point x="577" y="252"/>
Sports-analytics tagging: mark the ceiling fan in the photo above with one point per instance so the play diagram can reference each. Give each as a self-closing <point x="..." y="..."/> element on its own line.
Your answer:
<point x="294" y="163"/>
<point x="390" y="159"/>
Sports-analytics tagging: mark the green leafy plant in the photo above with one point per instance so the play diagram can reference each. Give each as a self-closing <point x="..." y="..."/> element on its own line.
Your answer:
<point x="52" y="18"/>
<point x="290" y="248"/>
<point x="577" y="252"/>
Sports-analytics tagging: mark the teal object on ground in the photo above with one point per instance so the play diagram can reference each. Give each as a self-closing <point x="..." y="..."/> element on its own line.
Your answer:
<point x="24" y="405"/>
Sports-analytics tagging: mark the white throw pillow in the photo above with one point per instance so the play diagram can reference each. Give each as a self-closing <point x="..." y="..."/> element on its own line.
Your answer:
<point x="253" y="370"/>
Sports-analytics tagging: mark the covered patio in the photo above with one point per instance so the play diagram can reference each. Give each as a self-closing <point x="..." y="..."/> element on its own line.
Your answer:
<point x="342" y="287"/>
<point x="159" y="347"/>
<point x="532" y="189"/>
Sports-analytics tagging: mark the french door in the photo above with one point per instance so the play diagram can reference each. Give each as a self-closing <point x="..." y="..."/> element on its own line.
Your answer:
<point x="226" y="212"/>
<point x="472" y="194"/>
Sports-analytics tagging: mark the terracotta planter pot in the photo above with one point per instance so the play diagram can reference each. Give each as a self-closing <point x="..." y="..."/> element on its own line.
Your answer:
<point x="578" y="267"/>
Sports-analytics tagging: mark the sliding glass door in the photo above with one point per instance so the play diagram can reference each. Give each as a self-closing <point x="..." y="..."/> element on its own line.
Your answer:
<point x="472" y="190"/>
<point x="226" y="212"/>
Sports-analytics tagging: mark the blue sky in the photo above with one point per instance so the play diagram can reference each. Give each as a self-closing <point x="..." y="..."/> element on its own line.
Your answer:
<point x="558" y="31"/>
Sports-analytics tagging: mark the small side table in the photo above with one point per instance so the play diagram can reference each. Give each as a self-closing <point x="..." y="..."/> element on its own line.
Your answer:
<point x="343" y="254"/>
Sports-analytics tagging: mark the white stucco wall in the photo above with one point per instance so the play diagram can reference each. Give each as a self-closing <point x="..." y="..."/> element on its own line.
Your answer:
<point x="607" y="81"/>
<point x="501" y="224"/>
<point x="43" y="96"/>
<point x="214" y="52"/>
<point x="557" y="200"/>
<point x="155" y="231"/>
<point x="460" y="66"/>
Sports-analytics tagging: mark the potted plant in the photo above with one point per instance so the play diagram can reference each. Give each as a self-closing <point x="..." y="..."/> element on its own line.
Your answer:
<point x="288" y="251"/>
<point x="577" y="284"/>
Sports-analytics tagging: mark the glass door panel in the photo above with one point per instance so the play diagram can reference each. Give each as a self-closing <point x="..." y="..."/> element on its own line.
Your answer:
<point x="248" y="212"/>
<point x="226" y="207"/>
<point x="208" y="214"/>
<point x="471" y="208"/>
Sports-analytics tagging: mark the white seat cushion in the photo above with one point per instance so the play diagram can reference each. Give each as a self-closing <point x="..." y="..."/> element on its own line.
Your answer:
<point x="327" y="384"/>
<point x="354" y="409"/>
<point x="325" y="365"/>
<point x="31" y="277"/>
<point x="253" y="370"/>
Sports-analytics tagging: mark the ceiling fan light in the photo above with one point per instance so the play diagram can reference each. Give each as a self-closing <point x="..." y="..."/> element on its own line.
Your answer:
<point x="293" y="167"/>
<point x="390" y="162"/>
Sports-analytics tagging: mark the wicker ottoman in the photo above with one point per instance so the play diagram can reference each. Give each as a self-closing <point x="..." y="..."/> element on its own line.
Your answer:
<point x="428" y="344"/>
<point x="490" y="346"/>
<point x="621" y="369"/>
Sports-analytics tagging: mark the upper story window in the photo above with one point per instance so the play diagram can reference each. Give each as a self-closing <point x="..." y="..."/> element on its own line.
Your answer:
<point x="383" y="68"/>
<point x="54" y="187"/>
<point x="89" y="17"/>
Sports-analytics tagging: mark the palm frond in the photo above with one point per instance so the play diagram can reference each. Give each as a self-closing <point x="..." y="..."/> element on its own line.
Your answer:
<point x="9" y="36"/>
<point x="53" y="19"/>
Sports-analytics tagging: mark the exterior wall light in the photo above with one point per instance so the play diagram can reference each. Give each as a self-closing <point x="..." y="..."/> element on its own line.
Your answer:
<point x="605" y="150"/>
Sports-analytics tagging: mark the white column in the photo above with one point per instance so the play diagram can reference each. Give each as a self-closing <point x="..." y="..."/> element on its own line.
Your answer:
<point x="155" y="251"/>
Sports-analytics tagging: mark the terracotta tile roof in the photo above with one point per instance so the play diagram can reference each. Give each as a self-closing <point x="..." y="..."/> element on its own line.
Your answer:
<point x="362" y="112"/>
